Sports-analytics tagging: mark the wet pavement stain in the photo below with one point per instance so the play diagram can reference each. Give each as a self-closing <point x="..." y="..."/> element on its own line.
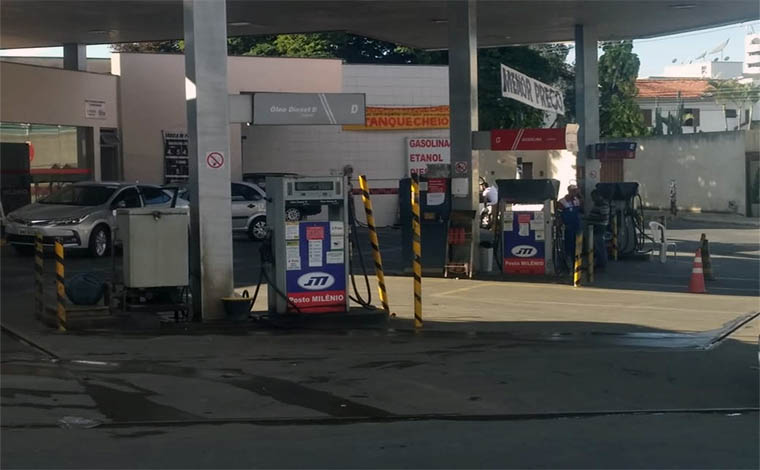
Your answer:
<point x="292" y="393"/>
<point x="119" y="405"/>
<point x="133" y="435"/>
<point x="402" y="364"/>
<point x="11" y="392"/>
<point x="41" y="406"/>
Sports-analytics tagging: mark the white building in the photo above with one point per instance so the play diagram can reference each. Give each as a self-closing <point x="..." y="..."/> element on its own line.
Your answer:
<point x="752" y="56"/>
<point x="707" y="69"/>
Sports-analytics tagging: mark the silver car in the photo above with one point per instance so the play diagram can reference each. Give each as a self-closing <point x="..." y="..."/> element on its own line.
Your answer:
<point x="81" y="215"/>
<point x="248" y="207"/>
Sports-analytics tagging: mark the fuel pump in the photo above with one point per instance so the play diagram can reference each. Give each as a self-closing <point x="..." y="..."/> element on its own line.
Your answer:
<point x="627" y="209"/>
<point x="309" y="259"/>
<point x="526" y="216"/>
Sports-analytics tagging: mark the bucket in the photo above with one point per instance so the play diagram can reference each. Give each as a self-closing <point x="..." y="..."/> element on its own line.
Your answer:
<point x="486" y="257"/>
<point x="238" y="308"/>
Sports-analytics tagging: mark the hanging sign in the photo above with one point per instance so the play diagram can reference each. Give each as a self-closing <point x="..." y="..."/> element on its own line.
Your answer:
<point x="527" y="90"/>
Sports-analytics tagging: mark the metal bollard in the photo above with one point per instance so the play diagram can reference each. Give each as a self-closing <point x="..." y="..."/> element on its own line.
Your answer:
<point x="590" y="253"/>
<point x="39" y="276"/>
<point x="374" y="242"/>
<point x="417" y="249"/>
<point x="578" y="265"/>
<point x="60" y="290"/>
<point x="614" y="237"/>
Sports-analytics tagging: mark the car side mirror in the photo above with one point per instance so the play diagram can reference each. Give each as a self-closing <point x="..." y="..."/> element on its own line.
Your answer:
<point x="120" y="205"/>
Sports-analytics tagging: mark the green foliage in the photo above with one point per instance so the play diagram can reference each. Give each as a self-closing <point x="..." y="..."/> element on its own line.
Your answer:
<point x="619" y="115"/>
<point x="732" y="92"/>
<point x="171" y="47"/>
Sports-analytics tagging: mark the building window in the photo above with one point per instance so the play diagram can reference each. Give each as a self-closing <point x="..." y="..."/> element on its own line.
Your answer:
<point x="58" y="154"/>
<point x="731" y="113"/>
<point x="691" y="117"/>
<point x="646" y="114"/>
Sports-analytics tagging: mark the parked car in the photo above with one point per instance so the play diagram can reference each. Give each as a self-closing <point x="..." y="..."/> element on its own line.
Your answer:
<point x="292" y="212"/>
<point x="82" y="215"/>
<point x="249" y="208"/>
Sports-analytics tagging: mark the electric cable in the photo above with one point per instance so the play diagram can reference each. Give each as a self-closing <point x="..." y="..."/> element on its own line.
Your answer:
<point x="358" y="299"/>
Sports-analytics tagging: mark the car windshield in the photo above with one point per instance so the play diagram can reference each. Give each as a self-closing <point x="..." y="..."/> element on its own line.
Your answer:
<point x="80" y="195"/>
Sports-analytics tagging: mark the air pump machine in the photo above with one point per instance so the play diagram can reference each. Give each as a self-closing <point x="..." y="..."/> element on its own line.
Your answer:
<point x="309" y="266"/>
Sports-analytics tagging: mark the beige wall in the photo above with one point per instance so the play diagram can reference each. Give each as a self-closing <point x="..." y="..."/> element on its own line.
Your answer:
<point x="152" y="96"/>
<point x="94" y="64"/>
<point x="709" y="169"/>
<point x="43" y="95"/>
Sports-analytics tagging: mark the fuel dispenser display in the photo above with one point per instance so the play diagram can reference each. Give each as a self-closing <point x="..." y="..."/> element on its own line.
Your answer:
<point x="309" y="265"/>
<point x="526" y="209"/>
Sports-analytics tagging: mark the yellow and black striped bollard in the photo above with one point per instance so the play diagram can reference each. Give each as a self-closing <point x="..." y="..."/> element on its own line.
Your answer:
<point x="39" y="276"/>
<point x="417" y="249"/>
<point x="614" y="237"/>
<point x="59" y="288"/>
<point x="590" y="253"/>
<point x="375" y="244"/>
<point x="578" y="265"/>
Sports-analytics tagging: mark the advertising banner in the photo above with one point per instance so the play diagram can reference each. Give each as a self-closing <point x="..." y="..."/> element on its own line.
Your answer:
<point x="316" y="271"/>
<point x="421" y="151"/>
<point x="393" y="119"/>
<point x="308" y="108"/>
<point x="615" y="150"/>
<point x="527" y="90"/>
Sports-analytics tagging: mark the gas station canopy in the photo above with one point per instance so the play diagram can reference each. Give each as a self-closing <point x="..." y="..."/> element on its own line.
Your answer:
<point x="423" y="24"/>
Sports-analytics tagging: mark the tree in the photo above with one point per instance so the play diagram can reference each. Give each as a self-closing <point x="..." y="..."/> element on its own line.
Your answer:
<point x="619" y="115"/>
<point x="739" y="94"/>
<point x="542" y="62"/>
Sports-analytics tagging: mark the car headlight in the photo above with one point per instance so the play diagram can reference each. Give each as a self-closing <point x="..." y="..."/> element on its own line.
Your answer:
<point x="68" y="221"/>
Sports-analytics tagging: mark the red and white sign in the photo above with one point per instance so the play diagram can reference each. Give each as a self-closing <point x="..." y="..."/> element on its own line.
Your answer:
<point x="525" y="265"/>
<point x="215" y="160"/>
<point x="528" y="139"/>
<point x="315" y="233"/>
<point x="422" y="151"/>
<point x="461" y="167"/>
<point x="318" y="302"/>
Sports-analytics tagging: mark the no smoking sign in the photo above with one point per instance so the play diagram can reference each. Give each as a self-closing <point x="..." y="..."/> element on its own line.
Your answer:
<point x="215" y="160"/>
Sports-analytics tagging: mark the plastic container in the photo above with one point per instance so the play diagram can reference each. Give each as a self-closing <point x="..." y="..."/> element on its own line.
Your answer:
<point x="238" y="308"/>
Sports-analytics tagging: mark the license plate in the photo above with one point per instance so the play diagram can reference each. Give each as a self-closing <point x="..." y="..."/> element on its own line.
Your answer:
<point x="25" y="231"/>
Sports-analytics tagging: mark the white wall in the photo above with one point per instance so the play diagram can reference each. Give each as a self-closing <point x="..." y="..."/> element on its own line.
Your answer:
<point x="381" y="155"/>
<point x="711" y="114"/>
<point x="709" y="170"/>
<point x="152" y="97"/>
<point x="42" y="95"/>
<point x="707" y="69"/>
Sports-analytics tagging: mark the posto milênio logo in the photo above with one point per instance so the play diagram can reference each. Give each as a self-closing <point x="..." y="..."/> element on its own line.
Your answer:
<point x="523" y="251"/>
<point x="316" y="281"/>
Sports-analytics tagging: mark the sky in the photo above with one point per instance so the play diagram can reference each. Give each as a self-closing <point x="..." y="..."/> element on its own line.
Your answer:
<point x="654" y="53"/>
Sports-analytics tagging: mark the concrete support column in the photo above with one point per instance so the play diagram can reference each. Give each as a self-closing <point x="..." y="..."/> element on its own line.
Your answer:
<point x="587" y="106"/>
<point x="96" y="167"/>
<point x="211" y="274"/>
<point x="463" y="103"/>
<point x="75" y="57"/>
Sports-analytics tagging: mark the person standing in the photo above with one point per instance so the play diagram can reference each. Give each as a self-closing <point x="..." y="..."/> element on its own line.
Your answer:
<point x="570" y="208"/>
<point x="599" y="218"/>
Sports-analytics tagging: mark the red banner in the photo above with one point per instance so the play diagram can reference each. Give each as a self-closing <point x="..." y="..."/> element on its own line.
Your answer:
<point x="528" y="139"/>
<point x="524" y="266"/>
<point x="318" y="302"/>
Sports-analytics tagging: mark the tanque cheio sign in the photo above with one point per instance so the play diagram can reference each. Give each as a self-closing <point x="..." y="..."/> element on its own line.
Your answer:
<point x="526" y="90"/>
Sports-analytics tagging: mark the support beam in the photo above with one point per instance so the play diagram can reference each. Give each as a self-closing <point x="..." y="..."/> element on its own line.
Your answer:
<point x="211" y="275"/>
<point x="463" y="102"/>
<point x="75" y="57"/>
<point x="587" y="106"/>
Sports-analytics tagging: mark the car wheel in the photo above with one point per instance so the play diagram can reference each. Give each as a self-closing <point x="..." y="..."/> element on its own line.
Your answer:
<point x="292" y="214"/>
<point x="257" y="230"/>
<point x="100" y="241"/>
<point x="24" y="250"/>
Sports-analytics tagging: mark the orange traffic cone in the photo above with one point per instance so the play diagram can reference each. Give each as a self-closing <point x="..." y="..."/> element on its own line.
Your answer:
<point x="697" y="281"/>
